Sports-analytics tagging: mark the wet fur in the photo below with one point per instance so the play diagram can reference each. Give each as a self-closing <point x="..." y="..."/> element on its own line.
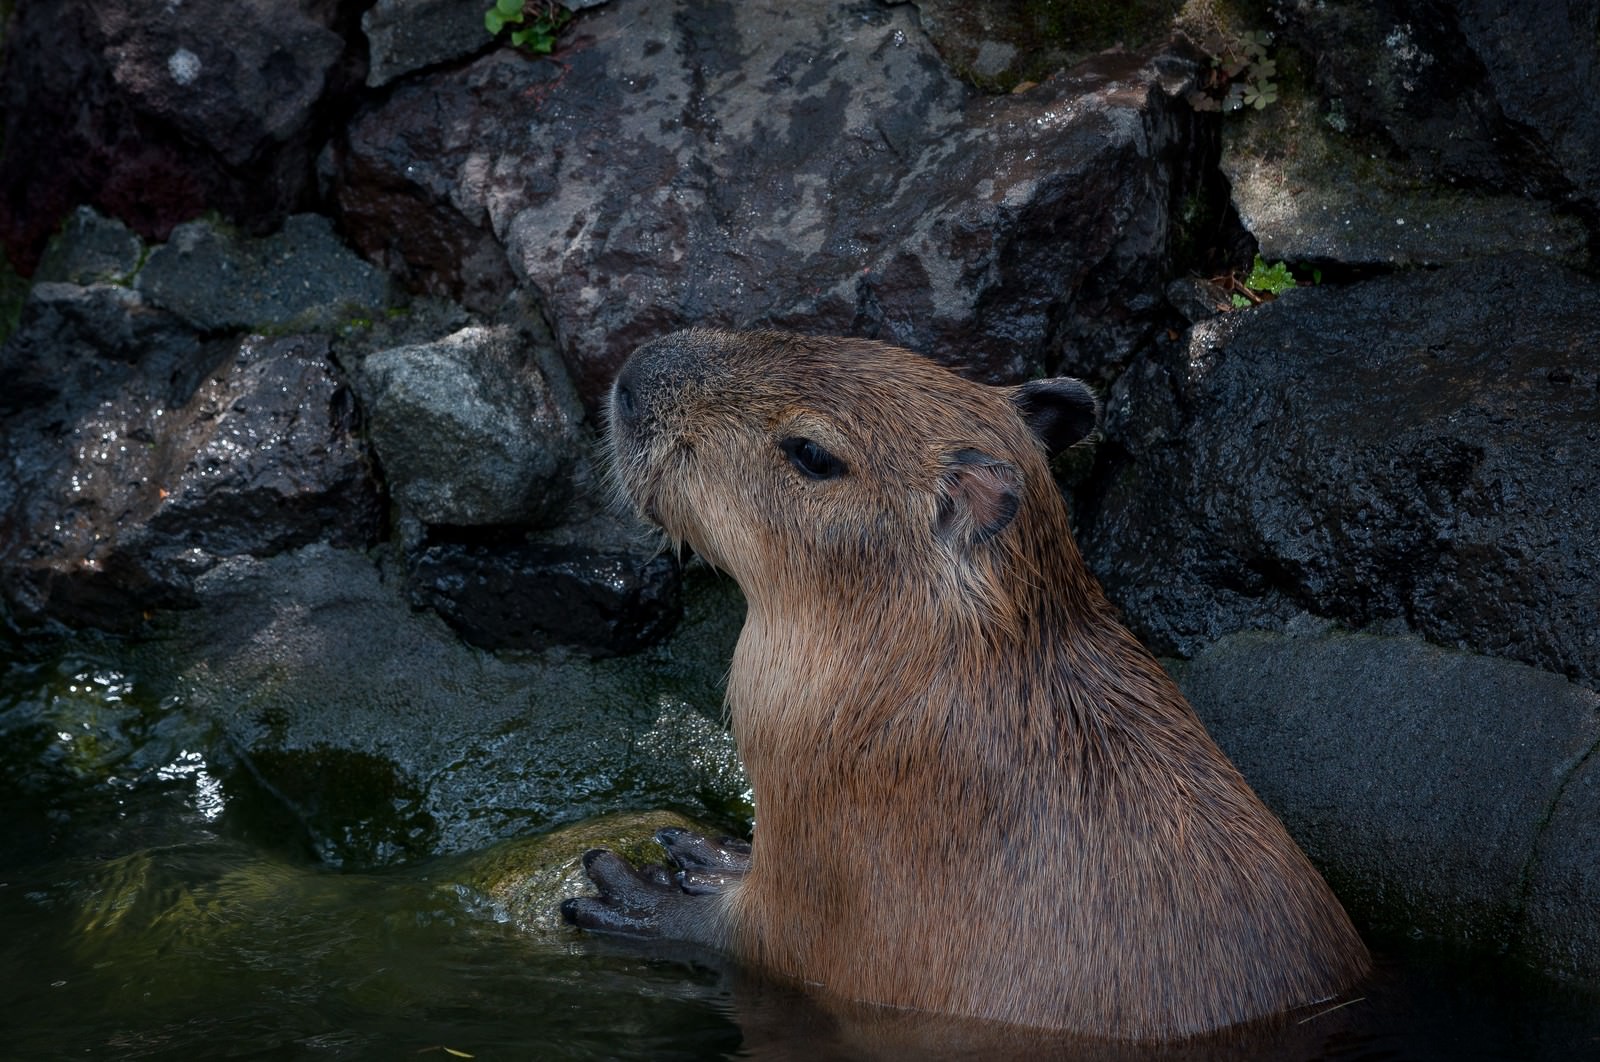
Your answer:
<point x="978" y="794"/>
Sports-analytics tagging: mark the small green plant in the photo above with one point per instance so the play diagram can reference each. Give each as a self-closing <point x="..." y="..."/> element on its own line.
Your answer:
<point x="1263" y="283"/>
<point x="1239" y="75"/>
<point x="539" y="22"/>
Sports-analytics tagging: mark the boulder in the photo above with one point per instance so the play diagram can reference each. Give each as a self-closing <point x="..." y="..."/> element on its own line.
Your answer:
<point x="1415" y="448"/>
<point x="137" y="456"/>
<point x="91" y="249"/>
<point x="299" y="278"/>
<point x="472" y="429"/>
<point x="1420" y="779"/>
<point x="1309" y="193"/>
<point x="811" y="166"/>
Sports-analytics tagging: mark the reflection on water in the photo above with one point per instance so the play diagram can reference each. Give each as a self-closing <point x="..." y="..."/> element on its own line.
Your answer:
<point x="208" y="949"/>
<point x="142" y="916"/>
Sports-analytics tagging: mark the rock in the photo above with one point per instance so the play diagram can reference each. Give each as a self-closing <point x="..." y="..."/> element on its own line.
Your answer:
<point x="176" y="453"/>
<point x="408" y="35"/>
<point x="524" y="881"/>
<point x="1415" y="447"/>
<point x="1561" y="931"/>
<point x="1417" y="778"/>
<point x="155" y="113"/>
<point x="473" y="429"/>
<point x="1308" y="194"/>
<point x="404" y="36"/>
<point x="311" y="662"/>
<point x="998" y="46"/>
<point x="805" y="165"/>
<point x="1490" y="93"/>
<point x="601" y="590"/>
<point x="67" y="334"/>
<point x="91" y="249"/>
<point x="301" y="277"/>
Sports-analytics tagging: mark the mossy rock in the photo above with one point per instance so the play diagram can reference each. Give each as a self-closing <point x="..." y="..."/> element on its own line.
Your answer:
<point x="525" y="880"/>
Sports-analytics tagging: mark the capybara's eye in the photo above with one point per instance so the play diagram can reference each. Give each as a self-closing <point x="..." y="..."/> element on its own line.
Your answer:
<point x="811" y="460"/>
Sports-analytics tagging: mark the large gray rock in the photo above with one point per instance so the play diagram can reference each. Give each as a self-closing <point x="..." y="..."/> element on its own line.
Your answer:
<point x="1420" y="779"/>
<point x="1418" y="447"/>
<point x="301" y="277"/>
<point x="809" y="165"/>
<point x="473" y="429"/>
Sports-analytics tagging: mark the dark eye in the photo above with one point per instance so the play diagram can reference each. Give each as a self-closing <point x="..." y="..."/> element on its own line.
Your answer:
<point x="811" y="460"/>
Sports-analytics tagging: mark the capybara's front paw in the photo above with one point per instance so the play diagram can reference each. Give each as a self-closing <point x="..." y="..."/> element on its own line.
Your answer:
<point x="704" y="865"/>
<point x="630" y="902"/>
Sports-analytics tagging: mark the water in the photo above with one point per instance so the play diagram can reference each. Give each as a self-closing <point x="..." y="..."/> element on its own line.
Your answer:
<point x="147" y="913"/>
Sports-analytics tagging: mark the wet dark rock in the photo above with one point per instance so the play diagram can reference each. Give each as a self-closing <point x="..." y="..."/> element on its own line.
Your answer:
<point x="1491" y="93"/>
<point x="1418" y="778"/>
<point x="313" y="658"/>
<point x="300" y="278"/>
<point x="1417" y="447"/>
<point x="599" y="590"/>
<point x="472" y="429"/>
<point x="155" y="113"/>
<point x="806" y="166"/>
<point x="91" y="249"/>
<point x="407" y="35"/>
<point x="68" y="334"/>
<point x="141" y="455"/>
<point x="1197" y="299"/>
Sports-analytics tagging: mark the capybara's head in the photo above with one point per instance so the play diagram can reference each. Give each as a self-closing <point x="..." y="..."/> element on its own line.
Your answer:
<point x="826" y="466"/>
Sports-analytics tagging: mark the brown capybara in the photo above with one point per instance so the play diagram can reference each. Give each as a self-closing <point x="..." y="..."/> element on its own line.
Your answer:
<point x="977" y="793"/>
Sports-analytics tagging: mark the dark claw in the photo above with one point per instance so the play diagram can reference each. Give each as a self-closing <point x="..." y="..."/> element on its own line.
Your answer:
<point x="727" y="858"/>
<point x="630" y="901"/>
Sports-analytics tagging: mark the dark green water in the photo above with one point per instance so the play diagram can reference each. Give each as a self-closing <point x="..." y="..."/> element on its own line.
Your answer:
<point x="149" y="911"/>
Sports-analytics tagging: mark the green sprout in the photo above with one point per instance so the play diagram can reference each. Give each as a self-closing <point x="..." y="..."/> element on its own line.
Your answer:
<point x="540" y="21"/>
<point x="1262" y="284"/>
<point x="1239" y="75"/>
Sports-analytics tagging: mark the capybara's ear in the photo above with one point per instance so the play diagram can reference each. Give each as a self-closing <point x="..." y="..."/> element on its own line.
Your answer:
<point x="978" y="497"/>
<point x="1061" y="411"/>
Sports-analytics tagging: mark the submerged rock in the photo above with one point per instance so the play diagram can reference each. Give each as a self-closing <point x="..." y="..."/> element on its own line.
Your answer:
<point x="1417" y="447"/>
<point x="311" y="663"/>
<point x="809" y="166"/>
